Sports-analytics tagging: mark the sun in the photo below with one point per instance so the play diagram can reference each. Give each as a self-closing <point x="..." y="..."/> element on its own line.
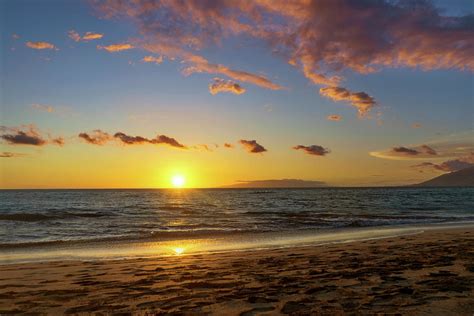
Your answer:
<point x="178" y="181"/>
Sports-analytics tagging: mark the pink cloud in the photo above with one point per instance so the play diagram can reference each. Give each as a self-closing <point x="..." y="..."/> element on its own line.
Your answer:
<point x="221" y="85"/>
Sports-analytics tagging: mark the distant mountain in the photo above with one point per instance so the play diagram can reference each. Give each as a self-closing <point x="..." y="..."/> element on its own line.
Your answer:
<point x="281" y="183"/>
<point x="463" y="177"/>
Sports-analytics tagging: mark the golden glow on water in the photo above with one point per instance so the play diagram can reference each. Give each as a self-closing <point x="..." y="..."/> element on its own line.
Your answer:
<point x="178" y="181"/>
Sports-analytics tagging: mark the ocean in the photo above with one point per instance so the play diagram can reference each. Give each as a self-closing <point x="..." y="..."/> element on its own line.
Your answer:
<point x="46" y="217"/>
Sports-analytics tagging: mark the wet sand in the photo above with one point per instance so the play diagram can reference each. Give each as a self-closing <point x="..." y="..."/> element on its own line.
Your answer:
<point x="431" y="273"/>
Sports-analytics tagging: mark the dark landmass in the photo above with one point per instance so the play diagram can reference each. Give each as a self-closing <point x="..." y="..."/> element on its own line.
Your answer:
<point x="280" y="183"/>
<point x="461" y="178"/>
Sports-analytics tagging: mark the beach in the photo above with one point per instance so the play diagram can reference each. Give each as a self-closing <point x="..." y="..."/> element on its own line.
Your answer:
<point x="428" y="273"/>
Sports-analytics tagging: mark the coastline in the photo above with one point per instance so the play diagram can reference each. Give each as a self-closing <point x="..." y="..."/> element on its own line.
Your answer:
<point x="428" y="272"/>
<point x="206" y="242"/>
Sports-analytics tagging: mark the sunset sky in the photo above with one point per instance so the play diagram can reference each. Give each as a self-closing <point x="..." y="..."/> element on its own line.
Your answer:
<point x="129" y="94"/>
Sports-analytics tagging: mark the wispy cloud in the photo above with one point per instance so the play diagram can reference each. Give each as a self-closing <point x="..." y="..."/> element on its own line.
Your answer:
<point x="40" y="45"/>
<point x="7" y="154"/>
<point x="451" y="146"/>
<point x="227" y="145"/>
<point x="252" y="146"/>
<point x="152" y="59"/>
<point x="43" y="107"/>
<point x="221" y="85"/>
<point x="88" y="36"/>
<point x="324" y="39"/>
<point x="113" y="48"/>
<point x="334" y="117"/>
<point x="420" y="151"/>
<point x="314" y="150"/>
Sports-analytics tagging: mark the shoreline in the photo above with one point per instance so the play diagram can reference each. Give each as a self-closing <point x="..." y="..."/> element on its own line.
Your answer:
<point x="431" y="272"/>
<point x="208" y="243"/>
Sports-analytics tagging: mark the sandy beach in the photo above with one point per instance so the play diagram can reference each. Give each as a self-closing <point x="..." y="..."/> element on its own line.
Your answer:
<point x="431" y="273"/>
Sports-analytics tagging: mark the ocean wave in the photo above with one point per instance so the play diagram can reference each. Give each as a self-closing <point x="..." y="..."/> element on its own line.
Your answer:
<point x="38" y="217"/>
<point x="153" y="236"/>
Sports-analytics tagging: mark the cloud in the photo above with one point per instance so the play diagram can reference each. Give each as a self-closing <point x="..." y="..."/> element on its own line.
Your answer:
<point x="131" y="140"/>
<point x="153" y="59"/>
<point x="252" y="146"/>
<point x="324" y="39"/>
<point x="424" y="150"/>
<point x="86" y="37"/>
<point x="92" y="36"/>
<point x="97" y="137"/>
<point x="334" y="117"/>
<point x="15" y="36"/>
<point x="314" y="150"/>
<point x="40" y="45"/>
<point x="405" y="151"/>
<point x="418" y="152"/>
<point x="360" y="100"/>
<point x="227" y="145"/>
<point x="427" y="150"/>
<point x="25" y="135"/>
<point x="163" y="139"/>
<point x="116" y="47"/>
<point x="139" y="140"/>
<point x="447" y="166"/>
<point x="200" y="64"/>
<point x="7" y="154"/>
<point x="43" y="107"/>
<point x="221" y="85"/>
<point x="416" y="125"/>
<point x="203" y="147"/>
<point x="58" y="141"/>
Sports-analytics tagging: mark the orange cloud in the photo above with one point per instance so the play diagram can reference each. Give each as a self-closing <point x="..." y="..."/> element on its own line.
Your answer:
<point x="416" y="125"/>
<point x="314" y="150"/>
<point x="252" y="146"/>
<point x="360" y="100"/>
<point x="116" y="47"/>
<point x="27" y="135"/>
<point x="227" y="145"/>
<point x="200" y="64"/>
<point x="92" y="36"/>
<point x="86" y="37"/>
<point x="153" y="59"/>
<point x="40" y="45"/>
<point x="221" y="85"/>
<point x="334" y="117"/>
<point x="97" y="137"/>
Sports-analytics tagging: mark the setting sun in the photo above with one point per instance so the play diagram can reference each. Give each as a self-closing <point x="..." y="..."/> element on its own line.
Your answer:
<point x="178" y="181"/>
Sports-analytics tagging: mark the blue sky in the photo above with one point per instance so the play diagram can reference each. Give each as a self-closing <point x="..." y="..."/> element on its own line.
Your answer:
<point x="91" y="88"/>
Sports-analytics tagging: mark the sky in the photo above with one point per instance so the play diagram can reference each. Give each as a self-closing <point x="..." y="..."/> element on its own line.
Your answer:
<point x="134" y="93"/>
